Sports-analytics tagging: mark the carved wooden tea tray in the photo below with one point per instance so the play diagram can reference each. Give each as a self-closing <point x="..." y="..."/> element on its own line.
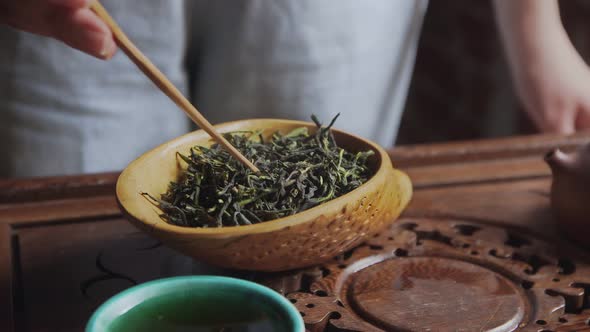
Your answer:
<point x="445" y="275"/>
<point x="476" y="250"/>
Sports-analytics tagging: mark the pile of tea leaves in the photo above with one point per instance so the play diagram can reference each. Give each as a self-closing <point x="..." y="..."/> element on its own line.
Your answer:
<point x="298" y="170"/>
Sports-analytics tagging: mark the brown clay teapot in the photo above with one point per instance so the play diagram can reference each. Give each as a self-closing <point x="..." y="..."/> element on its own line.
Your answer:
<point x="570" y="192"/>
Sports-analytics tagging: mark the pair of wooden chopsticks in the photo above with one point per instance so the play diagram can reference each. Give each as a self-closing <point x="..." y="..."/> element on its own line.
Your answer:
<point x="151" y="71"/>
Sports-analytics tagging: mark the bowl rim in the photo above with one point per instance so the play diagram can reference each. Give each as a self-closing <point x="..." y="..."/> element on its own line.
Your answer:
<point x="262" y="227"/>
<point x="295" y="320"/>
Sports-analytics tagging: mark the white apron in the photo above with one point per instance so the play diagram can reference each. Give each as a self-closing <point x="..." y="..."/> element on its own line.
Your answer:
<point x="63" y="112"/>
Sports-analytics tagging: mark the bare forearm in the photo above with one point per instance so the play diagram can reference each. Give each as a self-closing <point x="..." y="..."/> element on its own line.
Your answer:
<point x="527" y="12"/>
<point x="549" y="75"/>
<point x="528" y="26"/>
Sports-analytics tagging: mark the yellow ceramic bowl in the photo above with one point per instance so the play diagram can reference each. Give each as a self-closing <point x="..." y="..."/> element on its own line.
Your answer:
<point x="304" y="239"/>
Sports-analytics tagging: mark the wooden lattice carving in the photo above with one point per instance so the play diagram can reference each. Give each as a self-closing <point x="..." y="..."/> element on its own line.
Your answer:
<point x="446" y="275"/>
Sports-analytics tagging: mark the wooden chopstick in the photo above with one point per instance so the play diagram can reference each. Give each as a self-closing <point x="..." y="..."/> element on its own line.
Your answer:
<point x="151" y="71"/>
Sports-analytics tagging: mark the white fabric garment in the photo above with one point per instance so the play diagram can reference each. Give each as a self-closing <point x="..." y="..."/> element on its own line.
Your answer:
<point x="63" y="112"/>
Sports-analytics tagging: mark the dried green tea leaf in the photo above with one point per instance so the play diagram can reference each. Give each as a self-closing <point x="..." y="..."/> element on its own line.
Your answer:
<point x="298" y="171"/>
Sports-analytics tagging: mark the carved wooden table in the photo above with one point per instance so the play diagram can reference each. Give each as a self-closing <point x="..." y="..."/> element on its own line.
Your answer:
<point x="477" y="250"/>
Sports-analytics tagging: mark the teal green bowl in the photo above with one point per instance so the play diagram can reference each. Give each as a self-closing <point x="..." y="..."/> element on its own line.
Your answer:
<point x="197" y="304"/>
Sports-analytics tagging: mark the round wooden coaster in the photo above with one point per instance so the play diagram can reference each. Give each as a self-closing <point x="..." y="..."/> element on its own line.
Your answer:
<point x="419" y="293"/>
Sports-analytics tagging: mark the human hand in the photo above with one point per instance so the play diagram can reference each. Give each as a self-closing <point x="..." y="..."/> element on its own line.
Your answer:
<point x="70" y="21"/>
<point x="553" y="84"/>
<point x="551" y="79"/>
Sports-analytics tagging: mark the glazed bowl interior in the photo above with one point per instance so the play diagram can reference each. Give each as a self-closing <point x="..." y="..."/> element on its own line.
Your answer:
<point x="196" y="303"/>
